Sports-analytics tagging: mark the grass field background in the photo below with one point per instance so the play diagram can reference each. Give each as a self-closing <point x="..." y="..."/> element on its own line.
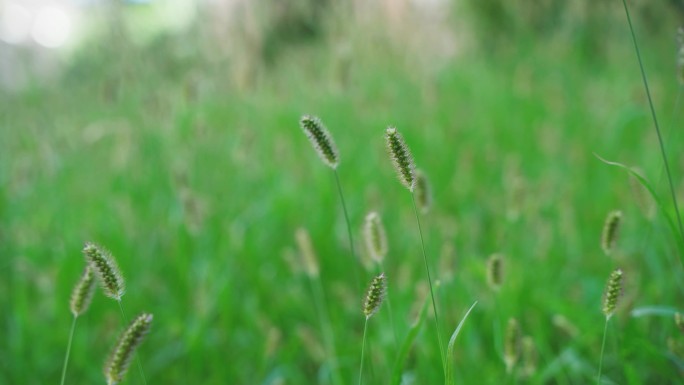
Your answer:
<point x="196" y="176"/>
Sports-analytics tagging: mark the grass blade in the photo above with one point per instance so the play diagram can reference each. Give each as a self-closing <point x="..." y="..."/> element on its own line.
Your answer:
<point x="450" y="348"/>
<point x="408" y="343"/>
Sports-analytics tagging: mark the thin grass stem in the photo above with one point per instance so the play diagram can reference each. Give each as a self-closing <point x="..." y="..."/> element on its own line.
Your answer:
<point x="363" y="349"/>
<point x="68" y="351"/>
<point x="137" y="359"/>
<point x="603" y="346"/>
<point x="432" y="294"/>
<point x="655" y="122"/>
<point x="326" y="329"/>
<point x="349" y="229"/>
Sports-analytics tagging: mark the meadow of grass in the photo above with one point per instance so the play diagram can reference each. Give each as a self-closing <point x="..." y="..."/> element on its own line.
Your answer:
<point x="198" y="183"/>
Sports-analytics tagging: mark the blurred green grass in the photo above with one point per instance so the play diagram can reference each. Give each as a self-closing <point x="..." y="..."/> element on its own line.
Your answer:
<point x="197" y="185"/>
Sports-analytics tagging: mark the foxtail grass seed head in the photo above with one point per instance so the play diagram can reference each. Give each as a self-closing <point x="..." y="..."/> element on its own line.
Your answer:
<point x="423" y="192"/>
<point x="120" y="358"/>
<point x="321" y="140"/>
<point x="679" y="321"/>
<point x="611" y="231"/>
<point x="529" y="356"/>
<point x="375" y="237"/>
<point x="306" y="250"/>
<point x="105" y="268"/>
<point x="613" y="293"/>
<point x="375" y="295"/>
<point x="82" y="294"/>
<point x="495" y="271"/>
<point x="512" y="341"/>
<point x="401" y="158"/>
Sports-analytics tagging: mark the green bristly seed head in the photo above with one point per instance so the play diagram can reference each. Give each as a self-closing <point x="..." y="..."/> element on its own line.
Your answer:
<point x="321" y="140"/>
<point x="512" y="341"/>
<point x="401" y="158"/>
<point x="105" y="268"/>
<point x="82" y="294"/>
<point x="529" y="356"/>
<point x="423" y="191"/>
<point x="613" y="293"/>
<point x="375" y="237"/>
<point x="120" y="358"/>
<point x="495" y="271"/>
<point x="611" y="231"/>
<point x="375" y="295"/>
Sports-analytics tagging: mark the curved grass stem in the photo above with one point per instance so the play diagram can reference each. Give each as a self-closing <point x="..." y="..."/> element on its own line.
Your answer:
<point x="349" y="230"/>
<point x="432" y="294"/>
<point x="655" y="122"/>
<point x="68" y="351"/>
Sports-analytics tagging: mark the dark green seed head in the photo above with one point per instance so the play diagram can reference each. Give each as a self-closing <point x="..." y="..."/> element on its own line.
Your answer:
<point x="679" y="321"/>
<point x="375" y="295"/>
<point x="495" y="271"/>
<point x="105" y="268"/>
<point x="401" y="158"/>
<point x="613" y="293"/>
<point x="611" y="231"/>
<point x="321" y="140"/>
<point x="120" y="358"/>
<point x="82" y="294"/>
<point x="423" y="192"/>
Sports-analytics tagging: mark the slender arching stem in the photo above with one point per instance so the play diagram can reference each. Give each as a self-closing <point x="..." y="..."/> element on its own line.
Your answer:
<point x="66" y="357"/>
<point x="137" y="359"/>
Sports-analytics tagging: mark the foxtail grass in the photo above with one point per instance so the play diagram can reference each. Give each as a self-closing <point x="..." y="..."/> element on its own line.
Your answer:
<point x="423" y="191"/>
<point x="611" y="299"/>
<point x="311" y="268"/>
<point x="119" y="359"/>
<point x="106" y="269"/>
<point x="375" y="238"/>
<point x="322" y="141"/>
<point x="402" y="159"/>
<point x="81" y="297"/>
<point x="512" y="345"/>
<point x="374" y="297"/>
<point x="611" y="231"/>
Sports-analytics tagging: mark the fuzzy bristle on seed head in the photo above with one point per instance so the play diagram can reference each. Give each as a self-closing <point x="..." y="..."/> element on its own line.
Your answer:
<point x="611" y="231"/>
<point x="375" y="237"/>
<point x="529" y="356"/>
<point x="495" y="271"/>
<point x="321" y="140"/>
<point x="613" y="293"/>
<point x="375" y="295"/>
<point x="512" y="341"/>
<point x="82" y="294"/>
<point x="105" y="268"/>
<point x="120" y="358"/>
<point x="423" y="191"/>
<point x="401" y="158"/>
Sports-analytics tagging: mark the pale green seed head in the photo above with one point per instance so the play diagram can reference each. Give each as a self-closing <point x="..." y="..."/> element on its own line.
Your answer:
<point x="375" y="295"/>
<point x="120" y="358"/>
<point x="679" y="321"/>
<point x="320" y="138"/>
<point x="375" y="237"/>
<point x="613" y="293"/>
<point x="512" y="344"/>
<point x="423" y="191"/>
<point x="82" y="294"/>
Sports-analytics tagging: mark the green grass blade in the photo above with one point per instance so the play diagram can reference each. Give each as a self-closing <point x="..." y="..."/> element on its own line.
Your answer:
<point x="450" y="348"/>
<point x="644" y="182"/>
<point x="408" y="343"/>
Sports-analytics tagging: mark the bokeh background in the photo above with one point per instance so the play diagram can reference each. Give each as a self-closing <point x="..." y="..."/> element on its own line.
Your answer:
<point x="167" y="131"/>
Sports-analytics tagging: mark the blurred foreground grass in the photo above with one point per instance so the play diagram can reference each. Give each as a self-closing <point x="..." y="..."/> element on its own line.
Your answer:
<point x="197" y="184"/>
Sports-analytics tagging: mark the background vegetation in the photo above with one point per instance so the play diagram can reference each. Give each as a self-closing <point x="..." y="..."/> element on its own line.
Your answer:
<point x="183" y="156"/>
